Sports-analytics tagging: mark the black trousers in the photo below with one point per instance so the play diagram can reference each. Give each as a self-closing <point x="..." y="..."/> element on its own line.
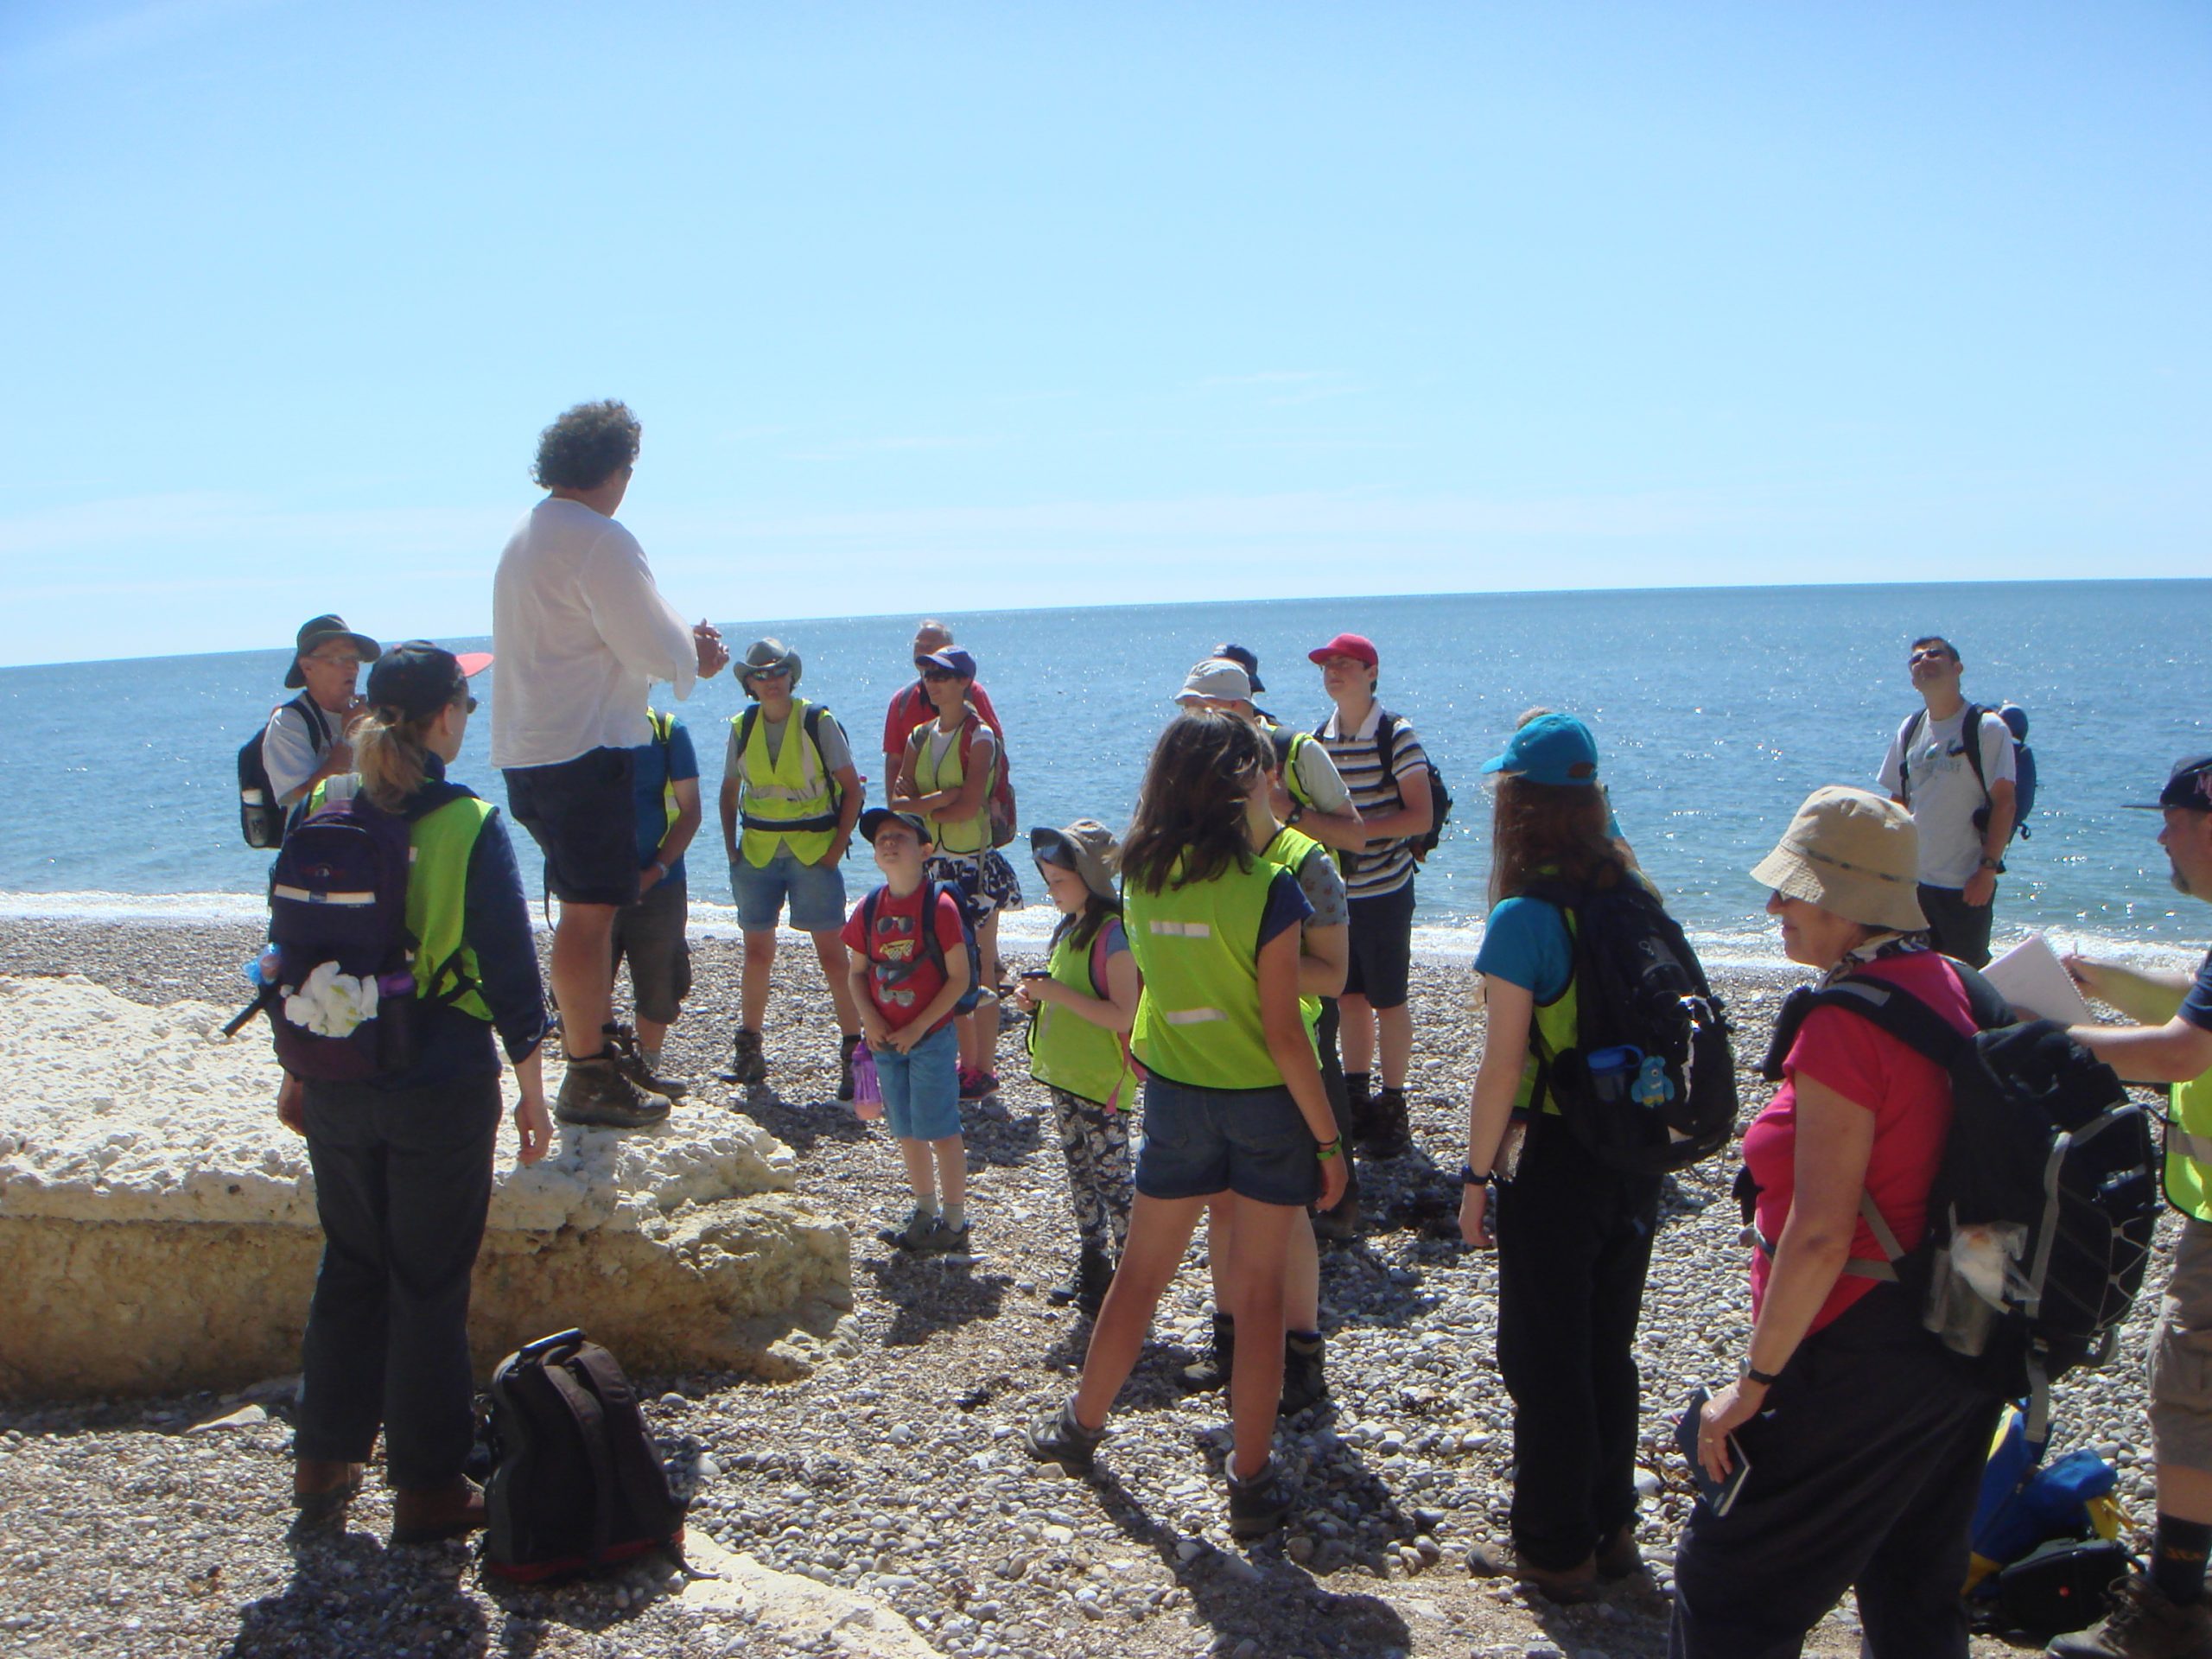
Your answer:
<point x="1956" y="928"/>
<point x="1573" y="1243"/>
<point x="1333" y="1083"/>
<point x="1866" y="1466"/>
<point x="402" y="1180"/>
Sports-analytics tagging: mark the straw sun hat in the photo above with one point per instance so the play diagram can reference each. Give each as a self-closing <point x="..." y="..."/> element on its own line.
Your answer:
<point x="1851" y="853"/>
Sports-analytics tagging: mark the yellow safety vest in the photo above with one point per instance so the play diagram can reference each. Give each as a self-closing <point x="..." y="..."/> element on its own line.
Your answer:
<point x="791" y="800"/>
<point x="1067" y="1050"/>
<point x="945" y="770"/>
<point x="2188" y="1149"/>
<point x="1198" y="947"/>
<point x="439" y="844"/>
<point x="664" y="734"/>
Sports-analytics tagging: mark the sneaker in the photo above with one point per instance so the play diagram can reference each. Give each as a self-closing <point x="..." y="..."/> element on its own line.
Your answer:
<point x="914" y="1233"/>
<point x="1258" y="1506"/>
<point x="1065" y="1441"/>
<point x="748" y="1064"/>
<point x="947" y="1240"/>
<point x="1388" y="1131"/>
<point x="2142" y="1624"/>
<point x="595" y="1092"/>
<point x="846" y="1046"/>
<point x="976" y="1085"/>
<point x="1203" y="1375"/>
<point x="630" y="1060"/>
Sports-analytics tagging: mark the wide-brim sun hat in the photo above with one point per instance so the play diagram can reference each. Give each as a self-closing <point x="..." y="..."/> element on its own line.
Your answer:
<point x="1854" y="853"/>
<point x="318" y="632"/>
<point x="767" y="657"/>
<point x="1087" y="847"/>
<point x="1217" y="676"/>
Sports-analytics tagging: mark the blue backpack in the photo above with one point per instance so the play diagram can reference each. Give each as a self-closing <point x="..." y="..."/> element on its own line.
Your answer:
<point x="2023" y="760"/>
<point x="931" y="947"/>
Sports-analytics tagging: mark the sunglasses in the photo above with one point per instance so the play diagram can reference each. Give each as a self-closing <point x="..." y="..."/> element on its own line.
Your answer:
<point x="935" y="673"/>
<point x="1929" y="656"/>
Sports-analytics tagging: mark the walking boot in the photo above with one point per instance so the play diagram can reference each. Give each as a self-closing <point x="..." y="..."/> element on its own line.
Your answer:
<point x="845" y="1047"/>
<point x="322" y="1489"/>
<point x="1388" y="1131"/>
<point x="1086" y="1285"/>
<point x="748" y="1064"/>
<point x="2144" y="1624"/>
<point x="630" y="1060"/>
<point x="1303" y="1385"/>
<point x="594" y="1092"/>
<point x="1359" y="1108"/>
<point x="422" y="1515"/>
<point x="1203" y="1375"/>
<point x="1259" y="1505"/>
<point x="1065" y="1441"/>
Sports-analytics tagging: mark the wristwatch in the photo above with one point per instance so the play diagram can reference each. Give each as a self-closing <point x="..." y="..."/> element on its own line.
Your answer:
<point x="1764" y="1379"/>
<point x="1468" y="1178"/>
<point x="1297" y="811"/>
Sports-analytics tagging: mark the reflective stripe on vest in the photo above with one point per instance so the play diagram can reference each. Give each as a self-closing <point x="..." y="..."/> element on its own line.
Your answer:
<point x="1198" y="947"/>
<point x="2188" y="1149"/>
<point x="1066" y="1051"/>
<point x="788" y="801"/>
<point x="933" y="772"/>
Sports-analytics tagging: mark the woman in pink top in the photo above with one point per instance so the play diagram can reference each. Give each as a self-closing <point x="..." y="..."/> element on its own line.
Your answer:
<point x="1865" y="1444"/>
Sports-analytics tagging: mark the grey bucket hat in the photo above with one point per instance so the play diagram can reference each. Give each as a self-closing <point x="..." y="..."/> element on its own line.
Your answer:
<point x="1087" y="847"/>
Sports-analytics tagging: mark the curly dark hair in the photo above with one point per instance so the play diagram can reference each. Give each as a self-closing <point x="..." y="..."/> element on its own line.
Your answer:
<point x="1191" y="806"/>
<point x="587" y="446"/>
<point x="1556" y="829"/>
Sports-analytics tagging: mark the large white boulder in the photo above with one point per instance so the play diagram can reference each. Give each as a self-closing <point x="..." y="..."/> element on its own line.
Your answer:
<point x="158" y="1232"/>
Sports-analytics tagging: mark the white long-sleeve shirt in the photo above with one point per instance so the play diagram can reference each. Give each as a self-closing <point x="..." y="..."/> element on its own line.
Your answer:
<point x="579" y="633"/>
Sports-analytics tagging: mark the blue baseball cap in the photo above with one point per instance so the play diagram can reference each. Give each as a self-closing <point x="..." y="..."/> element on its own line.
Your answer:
<point x="1550" y="749"/>
<point x="953" y="659"/>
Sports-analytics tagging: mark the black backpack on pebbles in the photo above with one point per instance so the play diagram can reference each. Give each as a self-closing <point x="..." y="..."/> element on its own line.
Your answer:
<point x="1650" y="1084"/>
<point x="2045" y="1201"/>
<point x="577" y="1484"/>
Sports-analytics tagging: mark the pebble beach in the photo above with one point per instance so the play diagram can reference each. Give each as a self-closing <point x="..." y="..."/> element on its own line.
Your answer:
<point x="159" y="1527"/>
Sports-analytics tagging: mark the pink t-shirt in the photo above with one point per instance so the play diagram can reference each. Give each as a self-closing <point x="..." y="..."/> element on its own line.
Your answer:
<point x="1909" y="1094"/>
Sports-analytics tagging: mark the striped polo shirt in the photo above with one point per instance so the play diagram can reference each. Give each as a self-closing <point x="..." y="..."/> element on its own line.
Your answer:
<point x="1359" y="760"/>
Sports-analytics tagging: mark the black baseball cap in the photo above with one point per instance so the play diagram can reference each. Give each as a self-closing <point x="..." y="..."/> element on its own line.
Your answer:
<point x="876" y="817"/>
<point x="2190" y="785"/>
<point x="1244" y="659"/>
<point x="417" y="679"/>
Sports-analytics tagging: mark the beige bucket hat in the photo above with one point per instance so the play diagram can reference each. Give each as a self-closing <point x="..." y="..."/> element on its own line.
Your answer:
<point x="1087" y="847"/>
<point x="1851" y="852"/>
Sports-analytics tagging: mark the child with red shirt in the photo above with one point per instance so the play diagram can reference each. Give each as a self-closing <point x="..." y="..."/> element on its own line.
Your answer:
<point x="906" y="993"/>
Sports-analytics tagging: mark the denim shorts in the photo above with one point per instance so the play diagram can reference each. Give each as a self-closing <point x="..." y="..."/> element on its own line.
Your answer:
<point x="584" y="816"/>
<point x="921" y="1088"/>
<point x="1253" y="1142"/>
<point x="816" y="892"/>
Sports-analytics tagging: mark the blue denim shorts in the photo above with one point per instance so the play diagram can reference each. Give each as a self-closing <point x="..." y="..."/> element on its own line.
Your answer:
<point x="921" y="1088"/>
<point x="816" y="892"/>
<point x="1253" y="1142"/>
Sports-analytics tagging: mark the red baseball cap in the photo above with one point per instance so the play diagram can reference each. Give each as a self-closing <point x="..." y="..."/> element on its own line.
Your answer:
<point x="1354" y="645"/>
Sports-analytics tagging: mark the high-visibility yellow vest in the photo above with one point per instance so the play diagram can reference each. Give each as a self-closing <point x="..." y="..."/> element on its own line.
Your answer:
<point x="2188" y="1149"/>
<point x="439" y="844"/>
<point x="1198" y="946"/>
<point x="946" y="770"/>
<point x="790" y="800"/>
<point x="1067" y="1050"/>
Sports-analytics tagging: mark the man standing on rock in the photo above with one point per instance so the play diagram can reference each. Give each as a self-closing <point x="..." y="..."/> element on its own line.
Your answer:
<point x="580" y="632"/>
<point x="2163" y="1614"/>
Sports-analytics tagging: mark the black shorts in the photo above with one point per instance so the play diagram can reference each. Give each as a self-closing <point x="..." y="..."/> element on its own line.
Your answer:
<point x="651" y="933"/>
<point x="1382" y="947"/>
<point x="583" y="814"/>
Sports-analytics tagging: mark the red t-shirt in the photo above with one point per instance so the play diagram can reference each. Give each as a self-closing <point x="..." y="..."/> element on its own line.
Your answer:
<point x="911" y="707"/>
<point x="902" y="979"/>
<point x="1909" y="1094"/>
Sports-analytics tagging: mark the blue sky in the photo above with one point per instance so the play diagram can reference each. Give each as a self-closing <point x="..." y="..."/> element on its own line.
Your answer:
<point x="957" y="308"/>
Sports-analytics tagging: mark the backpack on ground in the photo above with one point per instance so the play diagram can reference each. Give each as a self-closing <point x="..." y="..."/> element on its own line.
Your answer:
<point x="342" y="1000"/>
<point x="1651" y="1082"/>
<point x="2044" y="1202"/>
<point x="1440" y="792"/>
<point x="262" y="817"/>
<point x="577" y="1483"/>
<point x="931" y="946"/>
<point x="2015" y="718"/>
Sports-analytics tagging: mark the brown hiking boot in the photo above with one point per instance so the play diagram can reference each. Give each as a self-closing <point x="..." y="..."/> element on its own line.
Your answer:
<point x="1303" y="1384"/>
<point x="749" y="1065"/>
<point x="630" y="1060"/>
<point x="2142" y="1624"/>
<point x="422" y="1515"/>
<point x="594" y="1092"/>
<point x="1567" y="1585"/>
<point x="322" y="1489"/>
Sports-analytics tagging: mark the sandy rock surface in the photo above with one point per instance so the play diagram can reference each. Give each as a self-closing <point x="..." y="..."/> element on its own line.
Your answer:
<point x="894" y="1476"/>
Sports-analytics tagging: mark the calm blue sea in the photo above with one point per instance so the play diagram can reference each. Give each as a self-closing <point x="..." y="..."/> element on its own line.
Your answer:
<point x="1716" y="711"/>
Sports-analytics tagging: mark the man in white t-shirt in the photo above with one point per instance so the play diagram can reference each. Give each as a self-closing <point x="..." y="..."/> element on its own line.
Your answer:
<point x="580" y="632"/>
<point x="1964" y="812"/>
<point x="309" y="738"/>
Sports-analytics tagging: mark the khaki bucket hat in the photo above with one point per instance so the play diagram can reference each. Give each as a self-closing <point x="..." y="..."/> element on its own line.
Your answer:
<point x="1853" y="853"/>
<point x="1087" y="847"/>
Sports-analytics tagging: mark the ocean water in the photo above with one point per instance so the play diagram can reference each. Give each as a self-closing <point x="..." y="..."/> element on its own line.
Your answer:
<point x="1716" y="711"/>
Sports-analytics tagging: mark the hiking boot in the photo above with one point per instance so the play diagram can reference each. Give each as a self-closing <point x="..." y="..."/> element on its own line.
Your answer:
<point x="1203" y="1375"/>
<point x="1065" y="1441"/>
<point x="1619" y="1557"/>
<point x="846" y="1046"/>
<point x="594" y="1092"/>
<point x="422" y="1515"/>
<point x="1303" y="1385"/>
<point x="322" y="1489"/>
<point x="1086" y="1285"/>
<point x="914" y="1233"/>
<point x="1359" y="1108"/>
<point x="2142" y="1624"/>
<point x="976" y="1085"/>
<point x="1341" y="1224"/>
<point x="749" y="1065"/>
<point x="1258" y="1506"/>
<point x="1388" y="1132"/>
<point x="630" y="1060"/>
<point x="1566" y="1585"/>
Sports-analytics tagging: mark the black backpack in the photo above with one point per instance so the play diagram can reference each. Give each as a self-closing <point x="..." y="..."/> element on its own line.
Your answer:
<point x="576" y="1484"/>
<point x="1651" y="1082"/>
<point x="932" y="947"/>
<point x="261" y="818"/>
<point x="1440" y="792"/>
<point x="2023" y="761"/>
<point x="2045" y="1144"/>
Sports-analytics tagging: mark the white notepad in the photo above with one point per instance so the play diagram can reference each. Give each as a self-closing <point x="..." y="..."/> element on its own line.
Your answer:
<point x="2032" y="977"/>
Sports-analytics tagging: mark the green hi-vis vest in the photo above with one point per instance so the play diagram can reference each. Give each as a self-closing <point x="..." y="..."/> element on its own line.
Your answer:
<point x="791" y="800"/>
<point x="948" y="770"/>
<point x="438" y="848"/>
<point x="2188" y="1149"/>
<point x="1198" y="948"/>
<point x="664" y="734"/>
<point x="1065" y="1050"/>
<point x="1289" y="850"/>
<point x="1556" y="1033"/>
